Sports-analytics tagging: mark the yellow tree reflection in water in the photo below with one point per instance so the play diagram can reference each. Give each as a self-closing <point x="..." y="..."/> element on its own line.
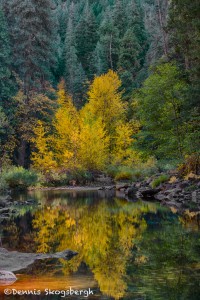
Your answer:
<point x="102" y="235"/>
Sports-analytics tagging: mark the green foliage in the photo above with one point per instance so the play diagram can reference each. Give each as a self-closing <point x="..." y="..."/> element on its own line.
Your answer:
<point x="161" y="103"/>
<point x="33" y="43"/>
<point x="66" y="178"/>
<point x="18" y="177"/>
<point x="124" y="174"/>
<point x="159" y="180"/>
<point x="3" y="183"/>
<point x="183" y="26"/>
<point x="6" y="83"/>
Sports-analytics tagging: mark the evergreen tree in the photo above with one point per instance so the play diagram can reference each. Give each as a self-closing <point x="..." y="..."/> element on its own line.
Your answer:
<point x="109" y="42"/>
<point x="86" y="38"/>
<point x="74" y="73"/>
<point x="32" y="27"/>
<point x="6" y="82"/>
<point x="98" y="60"/>
<point x="119" y="17"/>
<point x="184" y="35"/>
<point x="129" y="62"/>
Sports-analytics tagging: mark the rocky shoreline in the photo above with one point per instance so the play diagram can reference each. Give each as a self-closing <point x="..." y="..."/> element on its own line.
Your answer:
<point x="175" y="192"/>
<point x="178" y="193"/>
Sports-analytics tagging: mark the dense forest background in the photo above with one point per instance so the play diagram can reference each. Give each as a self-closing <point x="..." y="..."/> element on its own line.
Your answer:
<point x="120" y="76"/>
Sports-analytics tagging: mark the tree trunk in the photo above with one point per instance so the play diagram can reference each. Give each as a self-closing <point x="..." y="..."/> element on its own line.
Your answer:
<point x="22" y="153"/>
<point x="110" y="53"/>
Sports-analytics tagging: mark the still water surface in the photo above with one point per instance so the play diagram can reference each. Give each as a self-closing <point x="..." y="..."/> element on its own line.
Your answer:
<point x="126" y="250"/>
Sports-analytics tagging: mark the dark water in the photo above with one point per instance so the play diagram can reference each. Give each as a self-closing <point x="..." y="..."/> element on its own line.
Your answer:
<point x="126" y="250"/>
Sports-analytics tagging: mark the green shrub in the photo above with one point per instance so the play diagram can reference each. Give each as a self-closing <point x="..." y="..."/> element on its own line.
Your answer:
<point x="3" y="184"/>
<point x="56" y="179"/>
<point x="112" y="171"/>
<point x="81" y="176"/>
<point x="159" y="180"/>
<point x="66" y="177"/>
<point x="20" y="178"/>
<point x="168" y="165"/>
<point x="124" y="173"/>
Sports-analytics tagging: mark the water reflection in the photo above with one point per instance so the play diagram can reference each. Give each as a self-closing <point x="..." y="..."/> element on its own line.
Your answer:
<point x="131" y="250"/>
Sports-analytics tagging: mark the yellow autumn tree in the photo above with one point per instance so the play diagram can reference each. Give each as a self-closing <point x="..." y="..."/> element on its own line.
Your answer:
<point x="66" y="125"/>
<point x="105" y="100"/>
<point x="42" y="158"/>
<point x="123" y="152"/>
<point x="93" y="142"/>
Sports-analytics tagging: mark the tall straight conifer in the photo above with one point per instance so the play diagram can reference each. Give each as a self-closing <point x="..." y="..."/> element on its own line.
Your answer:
<point x="32" y="27"/>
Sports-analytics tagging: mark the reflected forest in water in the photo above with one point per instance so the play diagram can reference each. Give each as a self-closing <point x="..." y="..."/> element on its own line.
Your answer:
<point x="129" y="249"/>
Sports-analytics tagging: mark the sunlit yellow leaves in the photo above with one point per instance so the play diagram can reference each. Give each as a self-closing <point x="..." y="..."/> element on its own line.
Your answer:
<point x="93" y="144"/>
<point x="42" y="159"/>
<point x="89" y="139"/>
<point x="123" y="153"/>
<point x="105" y="100"/>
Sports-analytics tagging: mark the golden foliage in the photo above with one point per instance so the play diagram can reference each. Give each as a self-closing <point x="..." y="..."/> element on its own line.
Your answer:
<point x="66" y="128"/>
<point x="123" y="153"/>
<point x="105" y="101"/>
<point x="91" y="138"/>
<point x="43" y="159"/>
<point x="93" y="143"/>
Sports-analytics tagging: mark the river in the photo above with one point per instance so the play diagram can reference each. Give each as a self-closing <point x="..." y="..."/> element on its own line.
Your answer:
<point x="126" y="250"/>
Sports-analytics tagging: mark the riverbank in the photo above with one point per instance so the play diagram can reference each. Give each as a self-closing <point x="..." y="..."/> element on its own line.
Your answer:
<point x="171" y="191"/>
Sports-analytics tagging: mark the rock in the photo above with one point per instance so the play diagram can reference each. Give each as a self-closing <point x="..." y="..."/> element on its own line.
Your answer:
<point x="148" y="192"/>
<point x="122" y="186"/>
<point x="138" y="185"/>
<point x="7" y="278"/>
<point x="173" y="204"/>
<point x="102" y="188"/>
<point x="131" y="192"/>
<point x="4" y="211"/>
<point x="161" y="197"/>
<point x="15" y="261"/>
<point x="184" y="184"/>
<point x="196" y="196"/>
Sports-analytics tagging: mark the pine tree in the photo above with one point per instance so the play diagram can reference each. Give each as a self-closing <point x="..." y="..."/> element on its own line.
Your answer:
<point x="184" y="35"/>
<point x="129" y="61"/>
<point x="119" y="17"/>
<point x="32" y="28"/>
<point x="98" y="60"/>
<point x="109" y="43"/>
<point x="86" y="39"/>
<point x="6" y="82"/>
<point x="74" y="73"/>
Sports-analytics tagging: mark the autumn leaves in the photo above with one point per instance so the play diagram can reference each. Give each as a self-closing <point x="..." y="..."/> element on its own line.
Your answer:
<point x="91" y="138"/>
